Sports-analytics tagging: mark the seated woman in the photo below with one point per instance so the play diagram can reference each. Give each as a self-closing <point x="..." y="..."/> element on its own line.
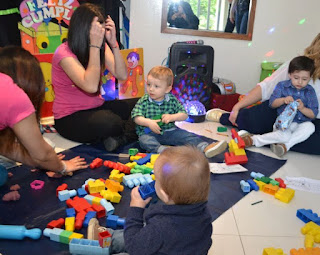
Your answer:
<point x="260" y="119"/>
<point x="180" y="15"/>
<point x="21" y="96"/>
<point x="80" y="113"/>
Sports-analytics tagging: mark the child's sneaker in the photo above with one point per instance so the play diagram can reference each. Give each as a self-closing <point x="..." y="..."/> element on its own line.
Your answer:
<point x="279" y="149"/>
<point x="215" y="114"/>
<point x="216" y="148"/>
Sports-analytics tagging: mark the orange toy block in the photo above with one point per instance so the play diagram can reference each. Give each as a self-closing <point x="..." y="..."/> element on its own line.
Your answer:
<point x="95" y="186"/>
<point x="284" y="195"/>
<point x="114" y="186"/>
<point x="270" y="189"/>
<point x="272" y="251"/>
<point x="56" y="223"/>
<point x="115" y="175"/>
<point x="307" y="251"/>
<point x="70" y="223"/>
<point x="96" y="163"/>
<point x="232" y="159"/>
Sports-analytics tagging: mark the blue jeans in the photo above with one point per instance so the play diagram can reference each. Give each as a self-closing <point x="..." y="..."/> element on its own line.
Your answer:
<point x="242" y="22"/>
<point x="260" y="119"/>
<point x="154" y="143"/>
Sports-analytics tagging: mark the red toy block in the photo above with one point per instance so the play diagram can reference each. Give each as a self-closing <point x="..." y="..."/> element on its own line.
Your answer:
<point x="96" y="163"/>
<point x="281" y="183"/>
<point x="105" y="239"/>
<point x="59" y="223"/>
<point x="86" y="188"/>
<point x="79" y="220"/>
<point x="141" y="154"/>
<point x="232" y="159"/>
<point x="117" y="166"/>
<point x="235" y="135"/>
<point x="96" y="195"/>
<point x="63" y="186"/>
<point x="79" y="204"/>
<point x="101" y="212"/>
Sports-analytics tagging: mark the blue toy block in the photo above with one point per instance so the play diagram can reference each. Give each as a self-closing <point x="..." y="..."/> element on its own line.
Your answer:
<point x="82" y="192"/>
<point x="144" y="160"/>
<point x="147" y="190"/>
<point x="256" y="175"/>
<point x="113" y="221"/>
<point x="71" y="212"/>
<point x="64" y="195"/>
<point x="245" y="186"/>
<point x="107" y="206"/>
<point x="86" y="246"/>
<point x="88" y="217"/>
<point x="53" y="234"/>
<point x="19" y="232"/>
<point x="307" y="215"/>
<point x="128" y="180"/>
<point x="253" y="185"/>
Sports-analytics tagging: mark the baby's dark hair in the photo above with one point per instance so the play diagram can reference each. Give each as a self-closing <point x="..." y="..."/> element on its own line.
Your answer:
<point x="301" y="63"/>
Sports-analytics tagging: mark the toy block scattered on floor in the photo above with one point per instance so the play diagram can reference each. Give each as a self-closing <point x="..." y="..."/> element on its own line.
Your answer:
<point x="69" y="223"/>
<point x="116" y="175"/>
<point x="113" y="221"/>
<point x="133" y="151"/>
<point x="79" y="204"/>
<point x="117" y="166"/>
<point x="60" y="235"/>
<point x="307" y="215"/>
<point x="232" y="159"/>
<point x="86" y="246"/>
<point x="307" y="251"/>
<point x="313" y="229"/>
<point x="270" y="189"/>
<point x="63" y="186"/>
<point x="136" y="180"/>
<point x="59" y="223"/>
<point x="96" y="163"/>
<point x="256" y="175"/>
<point x="253" y="185"/>
<point x="240" y="141"/>
<point x="105" y="239"/>
<point x="112" y="196"/>
<point x="222" y="129"/>
<point x="114" y="186"/>
<point x="64" y="195"/>
<point x="260" y="184"/>
<point x="284" y="195"/>
<point x="281" y="183"/>
<point x="272" y="251"/>
<point x="95" y="186"/>
<point x="245" y="186"/>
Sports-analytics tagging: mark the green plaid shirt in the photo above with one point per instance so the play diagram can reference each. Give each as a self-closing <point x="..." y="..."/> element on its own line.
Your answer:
<point x="147" y="108"/>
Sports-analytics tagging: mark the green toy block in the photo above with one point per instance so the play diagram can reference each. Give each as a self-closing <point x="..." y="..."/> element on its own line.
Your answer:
<point x="158" y="117"/>
<point x="222" y="129"/>
<point x="141" y="169"/>
<point x="274" y="183"/>
<point x="265" y="179"/>
<point x="64" y="236"/>
<point x="133" y="151"/>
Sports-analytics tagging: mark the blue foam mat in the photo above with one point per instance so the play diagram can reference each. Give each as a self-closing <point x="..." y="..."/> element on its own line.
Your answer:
<point x="36" y="209"/>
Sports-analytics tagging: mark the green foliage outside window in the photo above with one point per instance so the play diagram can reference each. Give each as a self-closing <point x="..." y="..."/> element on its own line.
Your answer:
<point x="203" y="13"/>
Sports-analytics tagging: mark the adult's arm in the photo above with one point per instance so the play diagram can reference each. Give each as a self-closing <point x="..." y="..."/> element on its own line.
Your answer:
<point x="39" y="152"/>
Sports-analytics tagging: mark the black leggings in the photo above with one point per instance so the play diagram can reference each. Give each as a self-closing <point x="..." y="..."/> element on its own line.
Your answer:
<point x="260" y="119"/>
<point x="94" y="125"/>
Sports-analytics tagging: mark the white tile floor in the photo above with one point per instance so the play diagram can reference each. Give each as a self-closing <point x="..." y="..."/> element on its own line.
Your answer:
<point x="247" y="229"/>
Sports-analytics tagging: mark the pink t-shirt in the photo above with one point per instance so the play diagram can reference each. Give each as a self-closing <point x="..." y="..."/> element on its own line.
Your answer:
<point x="68" y="97"/>
<point x="15" y="105"/>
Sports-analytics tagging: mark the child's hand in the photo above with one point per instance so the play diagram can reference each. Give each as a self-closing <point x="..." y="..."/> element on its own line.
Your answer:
<point x="288" y="99"/>
<point x="110" y="34"/>
<point x="301" y="105"/>
<point x="154" y="127"/>
<point x="167" y="118"/>
<point x="136" y="199"/>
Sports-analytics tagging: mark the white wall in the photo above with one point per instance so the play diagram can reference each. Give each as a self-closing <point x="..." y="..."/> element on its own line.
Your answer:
<point x="234" y="59"/>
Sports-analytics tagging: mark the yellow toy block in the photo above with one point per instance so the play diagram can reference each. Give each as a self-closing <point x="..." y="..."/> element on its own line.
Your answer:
<point x="307" y="251"/>
<point x="95" y="186"/>
<point x="308" y="241"/>
<point x="149" y="165"/>
<point x="114" y="186"/>
<point x="233" y="146"/>
<point x="270" y="189"/>
<point x="240" y="152"/>
<point x="153" y="158"/>
<point x="132" y="158"/>
<point x="75" y="235"/>
<point x="260" y="184"/>
<point x="313" y="229"/>
<point x="69" y="223"/>
<point x="113" y="197"/>
<point x="131" y="164"/>
<point x="285" y="195"/>
<point x="153" y="177"/>
<point x="96" y="201"/>
<point x="115" y="175"/>
<point x="272" y="251"/>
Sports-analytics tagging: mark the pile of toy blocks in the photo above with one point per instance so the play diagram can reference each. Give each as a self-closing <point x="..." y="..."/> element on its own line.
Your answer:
<point x="237" y="153"/>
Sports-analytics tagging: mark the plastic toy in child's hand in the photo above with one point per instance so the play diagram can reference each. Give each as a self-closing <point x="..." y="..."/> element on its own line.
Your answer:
<point x="286" y="117"/>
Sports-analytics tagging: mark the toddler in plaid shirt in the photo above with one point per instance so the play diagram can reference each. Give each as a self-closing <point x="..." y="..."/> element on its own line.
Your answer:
<point x="160" y="102"/>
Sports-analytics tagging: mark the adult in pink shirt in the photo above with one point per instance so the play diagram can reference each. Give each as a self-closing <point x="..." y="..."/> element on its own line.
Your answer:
<point x="21" y="96"/>
<point x="79" y="111"/>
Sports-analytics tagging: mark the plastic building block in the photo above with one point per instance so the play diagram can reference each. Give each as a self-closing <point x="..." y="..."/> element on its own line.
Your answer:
<point x="86" y="246"/>
<point x="113" y="221"/>
<point x="63" y="186"/>
<point x="245" y="186"/>
<point x="274" y="182"/>
<point x="312" y="229"/>
<point x="133" y="151"/>
<point x="89" y="198"/>
<point x="144" y="160"/>
<point x="96" y="163"/>
<point x="154" y="158"/>
<point x="147" y="190"/>
<point x="64" y="195"/>
<point x="136" y="180"/>
<point x="117" y="166"/>
<point x="88" y="217"/>
<point x="115" y="175"/>
<point x="79" y="220"/>
<point x="141" y="169"/>
<point x="222" y="129"/>
<point x="101" y="212"/>
<point x="307" y="251"/>
<point x="260" y="184"/>
<point x="95" y="186"/>
<point x="71" y="212"/>
<point x="132" y="158"/>
<point x="107" y="206"/>
<point x="96" y="200"/>
<point x="239" y="140"/>
<point x="308" y="215"/>
<point x="37" y="184"/>
<point x="53" y="234"/>
<point x="308" y="241"/>
<point x="270" y="189"/>
<point x="64" y="236"/>
<point x="79" y="204"/>
<point x="253" y="185"/>
<point x="69" y="223"/>
<point x="105" y="239"/>
<point x="281" y="183"/>
<point x="272" y="251"/>
<point x="256" y="175"/>
<point x="18" y="232"/>
<point x="285" y="195"/>
<point x="82" y="192"/>
<point x="112" y="196"/>
<point x="114" y="186"/>
<point x="231" y="158"/>
<point x="59" y="223"/>
<point x="264" y="179"/>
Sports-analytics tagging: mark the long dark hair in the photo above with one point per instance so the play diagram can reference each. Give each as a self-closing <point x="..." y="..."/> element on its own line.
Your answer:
<point x="25" y="71"/>
<point x="79" y="32"/>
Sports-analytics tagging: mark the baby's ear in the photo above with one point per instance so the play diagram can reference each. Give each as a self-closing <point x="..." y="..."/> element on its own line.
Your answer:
<point x="164" y="197"/>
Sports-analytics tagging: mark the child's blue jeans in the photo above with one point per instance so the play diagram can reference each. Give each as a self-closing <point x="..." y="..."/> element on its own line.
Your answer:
<point x="154" y="143"/>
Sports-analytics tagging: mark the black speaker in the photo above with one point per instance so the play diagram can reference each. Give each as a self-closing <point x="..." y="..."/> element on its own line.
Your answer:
<point x="192" y="66"/>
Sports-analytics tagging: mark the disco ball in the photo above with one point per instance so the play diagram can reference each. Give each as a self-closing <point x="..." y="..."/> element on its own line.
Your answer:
<point x="196" y="111"/>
